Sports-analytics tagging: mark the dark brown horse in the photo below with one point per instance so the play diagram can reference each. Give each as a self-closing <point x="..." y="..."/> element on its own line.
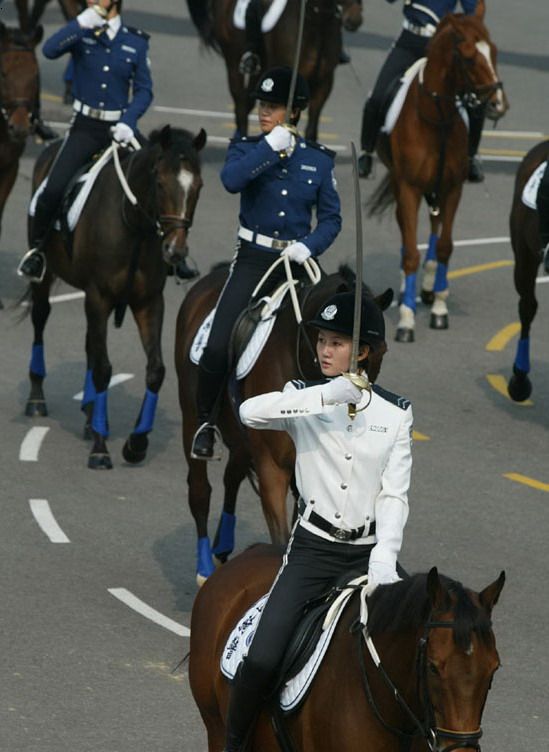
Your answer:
<point x="268" y="455"/>
<point x="29" y="15"/>
<point x="426" y="155"/>
<point x="526" y="244"/>
<point x="434" y="639"/>
<point x="320" y="50"/>
<point x="118" y="261"/>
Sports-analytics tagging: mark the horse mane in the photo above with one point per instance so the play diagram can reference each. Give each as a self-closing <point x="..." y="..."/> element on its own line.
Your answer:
<point x="181" y="145"/>
<point x="405" y="605"/>
<point x="201" y="17"/>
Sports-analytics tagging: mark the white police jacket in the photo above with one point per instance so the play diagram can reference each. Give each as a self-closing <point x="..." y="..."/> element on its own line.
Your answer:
<point x="350" y="472"/>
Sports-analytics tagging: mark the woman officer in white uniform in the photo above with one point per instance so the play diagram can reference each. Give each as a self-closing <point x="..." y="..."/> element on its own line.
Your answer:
<point x="353" y="477"/>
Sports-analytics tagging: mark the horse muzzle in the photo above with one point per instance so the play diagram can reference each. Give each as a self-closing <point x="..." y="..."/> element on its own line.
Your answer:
<point x="497" y="105"/>
<point x="352" y="20"/>
<point x="18" y="124"/>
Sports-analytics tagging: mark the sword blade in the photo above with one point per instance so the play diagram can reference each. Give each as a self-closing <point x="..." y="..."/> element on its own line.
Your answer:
<point x="359" y="255"/>
<point x="295" y="69"/>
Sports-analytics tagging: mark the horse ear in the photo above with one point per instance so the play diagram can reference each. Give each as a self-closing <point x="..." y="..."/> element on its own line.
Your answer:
<point x="165" y="137"/>
<point x="36" y="36"/>
<point x="3" y="30"/>
<point x="385" y="299"/>
<point x="435" y="590"/>
<point x="489" y="596"/>
<point x="199" y="141"/>
<point x="480" y="10"/>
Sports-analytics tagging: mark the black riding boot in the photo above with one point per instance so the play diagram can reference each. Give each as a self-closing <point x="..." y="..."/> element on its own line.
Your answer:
<point x="33" y="263"/>
<point x="475" y="172"/>
<point x="210" y="385"/>
<point x="542" y="202"/>
<point x="250" y="62"/>
<point x="244" y="706"/>
<point x="368" y="138"/>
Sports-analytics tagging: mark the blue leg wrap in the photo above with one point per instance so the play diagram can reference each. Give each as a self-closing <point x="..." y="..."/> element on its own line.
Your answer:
<point x="38" y="364"/>
<point x="522" y="358"/>
<point x="89" y="390"/>
<point x="409" y="298"/>
<point x="225" y="542"/>
<point x="205" y="566"/>
<point x="441" y="280"/>
<point x="145" y="421"/>
<point x="432" y="248"/>
<point x="100" y="423"/>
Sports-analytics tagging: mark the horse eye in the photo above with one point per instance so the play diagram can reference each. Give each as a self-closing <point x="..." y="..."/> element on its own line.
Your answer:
<point x="433" y="669"/>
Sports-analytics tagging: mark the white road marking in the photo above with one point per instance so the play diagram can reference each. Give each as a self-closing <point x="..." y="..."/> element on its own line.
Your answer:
<point x="473" y="241"/>
<point x="118" y="378"/>
<point x="30" y="446"/>
<point x="129" y="599"/>
<point x="60" y="298"/>
<point x="47" y="522"/>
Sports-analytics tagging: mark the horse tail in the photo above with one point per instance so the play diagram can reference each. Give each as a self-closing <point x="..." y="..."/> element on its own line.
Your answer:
<point x="201" y="18"/>
<point x="382" y="198"/>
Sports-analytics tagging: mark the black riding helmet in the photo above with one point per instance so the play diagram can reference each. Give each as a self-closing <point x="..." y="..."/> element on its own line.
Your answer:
<point x="337" y="315"/>
<point x="274" y="86"/>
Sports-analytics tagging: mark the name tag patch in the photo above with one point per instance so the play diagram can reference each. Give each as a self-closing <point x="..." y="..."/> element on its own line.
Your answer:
<point x="308" y="168"/>
<point x="128" y="49"/>
<point x="378" y="429"/>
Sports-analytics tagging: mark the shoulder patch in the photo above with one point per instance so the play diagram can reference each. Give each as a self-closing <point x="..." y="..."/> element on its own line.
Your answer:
<point x="300" y="384"/>
<point x="391" y="397"/>
<point x="139" y="32"/>
<point x="321" y="148"/>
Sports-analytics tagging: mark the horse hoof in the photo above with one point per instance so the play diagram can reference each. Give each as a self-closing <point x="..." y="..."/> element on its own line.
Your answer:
<point x="99" y="461"/>
<point x="220" y="559"/>
<point x="135" y="448"/>
<point x="427" y="297"/>
<point x="404" y="334"/>
<point x="519" y="386"/>
<point x="36" y="409"/>
<point x="439" y="321"/>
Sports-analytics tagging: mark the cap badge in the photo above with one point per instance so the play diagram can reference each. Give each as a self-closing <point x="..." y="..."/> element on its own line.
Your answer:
<point x="267" y="85"/>
<point x="329" y="313"/>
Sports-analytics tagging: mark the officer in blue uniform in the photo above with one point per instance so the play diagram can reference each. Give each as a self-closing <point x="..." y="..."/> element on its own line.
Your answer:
<point x="281" y="179"/>
<point x="109" y="58"/>
<point x="419" y="25"/>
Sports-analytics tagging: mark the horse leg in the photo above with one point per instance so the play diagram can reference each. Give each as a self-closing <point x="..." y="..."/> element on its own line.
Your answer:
<point x="149" y="322"/>
<point x="439" y="309"/>
<point x="88" y="393"/>
<point x="319" y="97"/>
<point x="273" y="489"/>
<point x="97" y="313"/>
<point x="22" y="7"/>
<point x="408" y="201"/>
<point x="40" y="311"/>
<point x="241" y="97"/>
<point x="430" y="263"/>
<point x="235" y="472"/>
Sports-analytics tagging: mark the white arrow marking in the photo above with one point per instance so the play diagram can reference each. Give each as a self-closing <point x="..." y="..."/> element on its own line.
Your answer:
<point x="118" y="378"/>
<point x="149" y="613"/>
<point x="30" y="446"/>
<point x="47" y="522"/>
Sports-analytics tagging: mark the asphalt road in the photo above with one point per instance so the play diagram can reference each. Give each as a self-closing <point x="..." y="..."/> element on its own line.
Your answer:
<point x="82" y="670"/>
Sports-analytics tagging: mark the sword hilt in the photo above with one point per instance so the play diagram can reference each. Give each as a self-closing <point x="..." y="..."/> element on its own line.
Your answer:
<point x="361" y="381"/>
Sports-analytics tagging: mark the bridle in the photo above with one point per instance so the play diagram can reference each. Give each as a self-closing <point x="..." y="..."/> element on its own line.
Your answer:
<point x="426" y="728"/>
<point x="8" y="107"/>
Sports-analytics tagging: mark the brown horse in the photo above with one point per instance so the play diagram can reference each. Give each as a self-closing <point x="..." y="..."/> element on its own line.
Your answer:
<point x="269" y="455"/>
<point x="29" y="16"/>
<point x="426" y="155"/>
<point x="526" y="244"/>
<point x="121" y="261"/>
<point x="320" y="52"/>
<point x="434" y="639"/>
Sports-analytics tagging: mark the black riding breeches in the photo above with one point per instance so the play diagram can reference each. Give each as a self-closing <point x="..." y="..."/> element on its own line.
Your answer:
<point x="311" y="566"/>
<point x="254" y="35"/>
<point x="405" y="51"/>
<point x="542" y="202"/>
<point x="86" y="137"/>
<point x="476" y="124"/>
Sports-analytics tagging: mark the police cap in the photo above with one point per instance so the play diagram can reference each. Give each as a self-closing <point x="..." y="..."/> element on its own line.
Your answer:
<point x="274" y="86"/>
<point x="337" y="315"/>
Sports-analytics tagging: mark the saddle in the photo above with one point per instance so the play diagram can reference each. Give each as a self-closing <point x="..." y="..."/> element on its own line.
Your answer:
<point x="530" y="191"/>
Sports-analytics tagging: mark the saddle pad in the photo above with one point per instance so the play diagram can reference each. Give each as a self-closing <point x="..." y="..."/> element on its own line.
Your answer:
<point x="530" y="190"/>
<point x="268" y="21"/>
<point x="295" y="689"/>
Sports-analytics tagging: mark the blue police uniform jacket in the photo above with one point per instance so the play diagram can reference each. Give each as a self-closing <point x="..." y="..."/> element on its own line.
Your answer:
<point x="425" y="12"/>
<point x="278" y="194"/>
<point x="104" y="69"/>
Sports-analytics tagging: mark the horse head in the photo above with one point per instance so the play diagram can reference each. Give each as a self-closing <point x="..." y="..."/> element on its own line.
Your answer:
<point x="178" y="181"/>
<point x="351" y="14"/>
<point x="477" y="56"/>
<point x="457" y="660"/>
<point x="19" y="80"/>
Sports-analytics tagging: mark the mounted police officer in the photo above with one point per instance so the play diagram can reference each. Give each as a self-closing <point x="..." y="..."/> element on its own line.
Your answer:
<point x="420" y="23"/>
<point x="281" y="178"/>
<point x="109" y="59"/>
<point x="353" y="478"/>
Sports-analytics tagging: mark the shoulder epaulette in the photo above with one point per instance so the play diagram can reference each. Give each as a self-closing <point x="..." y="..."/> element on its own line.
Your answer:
<point x="245" y="139"/>
<point x="394" y="399"/>
<point x="321" y="147"/>
<point x="139" y="32"/>
<point x="300" y="384"/>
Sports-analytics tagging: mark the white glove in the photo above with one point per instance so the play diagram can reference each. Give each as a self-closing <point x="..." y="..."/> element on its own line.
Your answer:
<point x="280" y="139"/>
<point x="90" y="18"/>
<point x="380" y="573"/>
<point x="341" y="391"/>
<point x="122" y="133"/>
<point x="297" y="252"/>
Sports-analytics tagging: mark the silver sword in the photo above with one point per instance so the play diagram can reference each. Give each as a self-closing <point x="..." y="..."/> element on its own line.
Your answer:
<point x="295" y="70"/>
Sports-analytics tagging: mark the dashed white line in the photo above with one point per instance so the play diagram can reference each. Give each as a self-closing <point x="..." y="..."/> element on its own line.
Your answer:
<point x="118" y="378"/>
<point x="47" y="522"/>
<point x="30" y="446"/>
<point x="132" y="601"/>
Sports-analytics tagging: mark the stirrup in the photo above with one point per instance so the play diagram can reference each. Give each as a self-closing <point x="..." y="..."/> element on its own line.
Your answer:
<point x="250" y="64"/>
<point x="30" y="278"/>
<point x="217" y="438"/>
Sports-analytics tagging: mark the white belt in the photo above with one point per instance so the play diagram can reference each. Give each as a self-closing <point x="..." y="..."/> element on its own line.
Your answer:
<point x="96" y="113"/>
<point x="421" y="31"/>
<point x="263" y="240"/>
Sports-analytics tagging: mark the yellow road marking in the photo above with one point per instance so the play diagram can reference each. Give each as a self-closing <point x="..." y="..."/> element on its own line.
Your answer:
<point x="502" y="152"/>
<point x="501" y="339"/>
<point x="526" y="481"/>
<point x="50" y="97"/>
<point x="478" y="268"/>
<point x="498" y="383"/>
<point x="417" y="436"/>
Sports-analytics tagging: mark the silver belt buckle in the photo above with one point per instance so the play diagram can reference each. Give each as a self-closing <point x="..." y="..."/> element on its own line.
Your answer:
<point x="95" y="113"/>
<point x="339" y="534"/>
